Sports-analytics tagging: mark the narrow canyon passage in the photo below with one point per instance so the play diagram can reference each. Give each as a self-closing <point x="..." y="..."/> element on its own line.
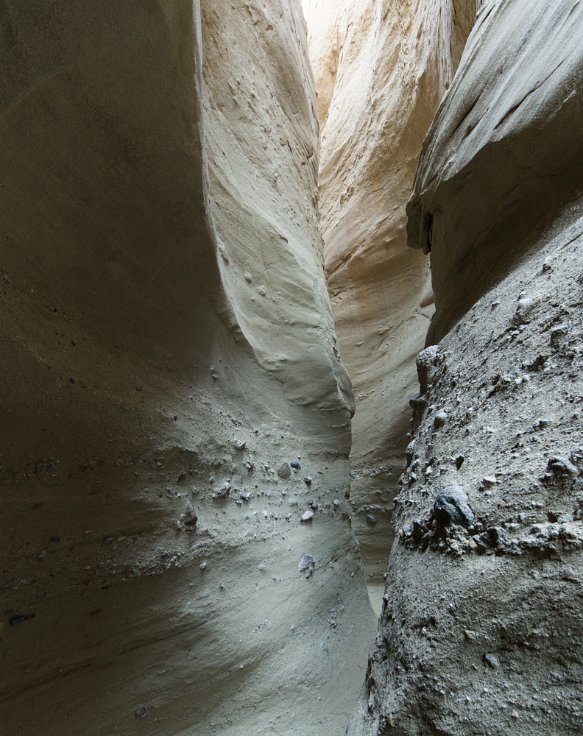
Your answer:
<point x="381" y="69"/>
<point x="239" y="493"/>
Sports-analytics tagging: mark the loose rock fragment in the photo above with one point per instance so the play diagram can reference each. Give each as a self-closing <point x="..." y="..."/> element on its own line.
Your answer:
<point x="284" y="471"/>
<point x="451" y="507"/>
<point x="525" y="310"/>
<point x="418" y="529"/>
<point x="542" y="423"/>
<point x="189" y="518"/>
<point x="427" y="363"/>
<point x="494" y="536"/>
<point x="306" y="565"/>
<point x="576" y="456"/>
<point x="440" y="419"/>
<point x="410" y="452"/>
<point x="492" y="661"/>
<point x="560" y="466"/>
<point x="371" y="519"/>
<point x="558" y="335"/>
<point x="223" y="491"/>
<point x="295" y="465"/>
<point x="307" y="516"/>
<point x="536" y="364"/>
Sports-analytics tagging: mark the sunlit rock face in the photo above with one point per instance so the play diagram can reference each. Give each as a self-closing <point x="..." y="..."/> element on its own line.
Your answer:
<point x="481" y="628"/>
<point x="381" y="68"/>
<point x="167" y="346"/>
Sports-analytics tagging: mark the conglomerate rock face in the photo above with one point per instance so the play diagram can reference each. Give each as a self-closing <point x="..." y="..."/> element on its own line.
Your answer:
<point x="168" y="346"/>
<point x="381" y="67"/>
<point x="481" y="627"/>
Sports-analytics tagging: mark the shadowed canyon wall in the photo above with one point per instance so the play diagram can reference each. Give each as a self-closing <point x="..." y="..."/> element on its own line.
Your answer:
<point x="168" y="346"/>
<point x="381" y="67"/>
<point x="481" y="627"/>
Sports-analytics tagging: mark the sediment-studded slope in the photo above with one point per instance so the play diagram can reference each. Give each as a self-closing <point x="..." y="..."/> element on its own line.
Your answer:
<point x="381" y="68"/>
<point x="481" y="628"/>
<point x="155" y="376"/>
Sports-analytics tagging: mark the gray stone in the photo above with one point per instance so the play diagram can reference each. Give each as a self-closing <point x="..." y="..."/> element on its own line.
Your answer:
<point x="451" y="507"/>
<point x="440" y="419"/>
<point x="189" y="517"/>
<point x="542" y="423"/>
<point x="284" y="471"/>
<point x="491" y="660"/>
<point x="560" y="466"/>
<point x="306" y="563"/>
<point x="223" y="491"/>
<point x="576" y="456"/>
<point x="427" y="362"/>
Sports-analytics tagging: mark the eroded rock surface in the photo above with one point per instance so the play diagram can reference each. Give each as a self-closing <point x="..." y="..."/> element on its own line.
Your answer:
<point x="167" y="345"/>
<point x="505" y="147"/>
<point x="481" y="628"/>
<point x="381" y="67"/>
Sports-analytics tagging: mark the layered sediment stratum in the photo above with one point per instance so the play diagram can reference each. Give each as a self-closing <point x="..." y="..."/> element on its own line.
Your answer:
<point x="481" y="626"/>
<point x="168" y="345"/>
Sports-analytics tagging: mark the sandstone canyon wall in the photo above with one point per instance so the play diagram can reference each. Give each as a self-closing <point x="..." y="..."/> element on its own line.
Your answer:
<point x="381" y="68"/>
<point x="167" y="346"/>
<point x="481" y="627"/>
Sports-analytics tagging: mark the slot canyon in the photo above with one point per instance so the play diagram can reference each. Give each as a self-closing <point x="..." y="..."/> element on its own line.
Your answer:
<point x="292" y="351"/>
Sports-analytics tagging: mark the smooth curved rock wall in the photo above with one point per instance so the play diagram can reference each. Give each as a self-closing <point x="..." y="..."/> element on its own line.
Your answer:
<point x="142" y="371"/>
